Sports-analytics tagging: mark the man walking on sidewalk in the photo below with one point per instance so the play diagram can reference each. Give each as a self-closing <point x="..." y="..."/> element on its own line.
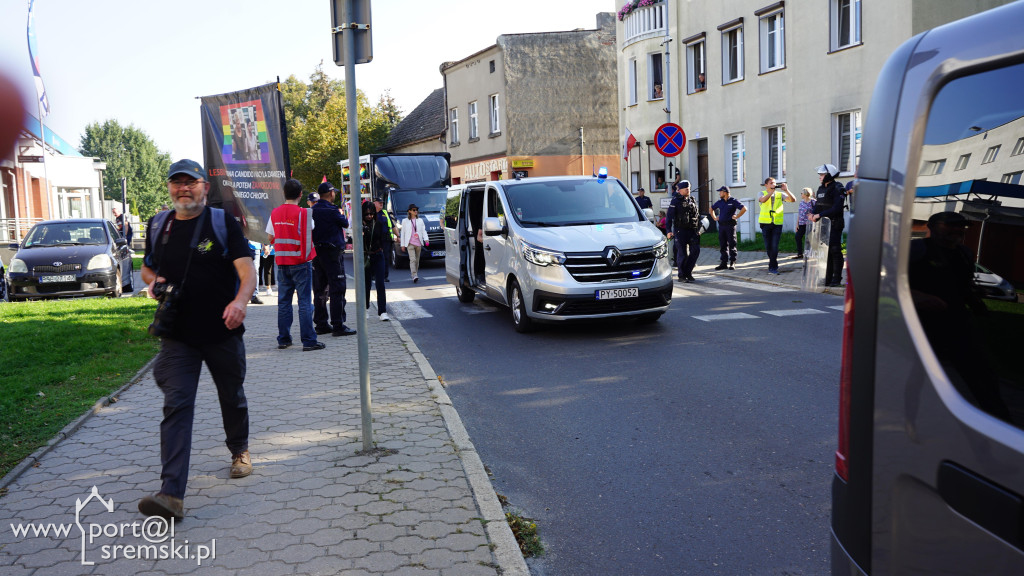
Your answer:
<point x="290" y="229"/>
<point x="726" y="212"/>
<point x="192" y="267"/>
<point x="328" y="267"/>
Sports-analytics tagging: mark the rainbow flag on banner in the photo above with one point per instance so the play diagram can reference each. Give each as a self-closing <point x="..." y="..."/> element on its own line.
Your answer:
<point x="245" y="133"/>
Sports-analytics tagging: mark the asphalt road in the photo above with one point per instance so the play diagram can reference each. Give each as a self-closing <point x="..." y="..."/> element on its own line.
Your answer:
<point x="702" y="444"/>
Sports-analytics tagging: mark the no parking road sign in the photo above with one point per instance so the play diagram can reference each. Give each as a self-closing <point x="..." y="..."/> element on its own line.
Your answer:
<point x="670" y="139"/>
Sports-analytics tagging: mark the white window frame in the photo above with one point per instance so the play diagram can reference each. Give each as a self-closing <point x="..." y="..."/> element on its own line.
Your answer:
<point x="495" y="110"/>
<point x="696" y="63"/>
<point x="1011" y="178"/>
<point x="1018" y="148"/>
<point x="632" y="82"/>
<point x="732" y="53"/>
<point x="474" y="127"/>
<point x="773" y="41"/>
<point x="838" y="10"/>
<point x="932" y="167"/>
<point x="850" y="136"/>
<point x="991" y="154"/>
<point x="779" y="148"/>
<point x="650" y="75"/>
<point x="453" y="124"/>
<point x="961" y="162"/>
<point x="735" y="160"/>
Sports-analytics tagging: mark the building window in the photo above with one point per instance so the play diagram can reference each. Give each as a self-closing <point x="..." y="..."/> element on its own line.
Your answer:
<point x="773" y="42"/>
<point x="1011" y="178"/>
<point x="492" y="66"/>
<point x="473" y="124"/>
<point x="735" y="169"/>
<point x="495" y="123"/>
<point x="933" y="167"/>
<point x="697" y="67"/>
<point x="962" y="162"/>
<point x="632" y="81"/>
<point x="655" y="78"/>
<point x="1018" y="148"/>
<point x="844" y="23"/>
<point x="732" y="55"/>
<point x="846" y="141"/>
<point x="990" y="155"/>
<point x="775" y="153"/>
<point x="453" y="116"/>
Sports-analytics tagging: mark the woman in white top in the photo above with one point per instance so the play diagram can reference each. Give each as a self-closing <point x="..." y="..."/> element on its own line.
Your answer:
<point x="414" y="238"/>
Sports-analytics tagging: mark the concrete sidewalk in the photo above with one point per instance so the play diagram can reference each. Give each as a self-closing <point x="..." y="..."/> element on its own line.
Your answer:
<point x="753" y="267"/>
<point x="420" y="504"/>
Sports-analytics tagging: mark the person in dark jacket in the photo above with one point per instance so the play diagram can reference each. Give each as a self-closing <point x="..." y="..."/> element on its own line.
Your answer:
<point x="375" y="236"/>
<point x="328" y="265"/>
<point x="829" y="203"/>
<point x="683" y="220"/>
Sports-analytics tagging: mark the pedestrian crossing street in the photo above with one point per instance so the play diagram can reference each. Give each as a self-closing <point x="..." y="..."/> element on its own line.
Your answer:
<point x="404" y="304"/>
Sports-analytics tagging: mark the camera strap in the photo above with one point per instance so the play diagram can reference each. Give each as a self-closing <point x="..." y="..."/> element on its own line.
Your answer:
<point x="166" y="234"/>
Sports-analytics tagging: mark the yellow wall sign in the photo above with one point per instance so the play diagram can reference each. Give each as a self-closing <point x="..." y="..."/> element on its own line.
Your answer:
<point x="522" y="163"/>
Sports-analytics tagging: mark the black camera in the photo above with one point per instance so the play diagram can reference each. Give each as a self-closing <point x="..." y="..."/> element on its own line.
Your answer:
<point x="167" y="311"/>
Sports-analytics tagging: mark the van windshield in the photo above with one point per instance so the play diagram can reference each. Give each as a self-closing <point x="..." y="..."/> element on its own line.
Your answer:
<point x="425" y="200"/>
<point x="570" y="202"/>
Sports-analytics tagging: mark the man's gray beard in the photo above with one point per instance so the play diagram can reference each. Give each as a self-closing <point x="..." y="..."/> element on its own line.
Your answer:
<point x="193" y="208"/>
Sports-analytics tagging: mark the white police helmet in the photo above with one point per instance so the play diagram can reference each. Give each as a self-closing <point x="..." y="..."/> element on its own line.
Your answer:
<point x="704" y="224"/>
<point x="828" y="169"/>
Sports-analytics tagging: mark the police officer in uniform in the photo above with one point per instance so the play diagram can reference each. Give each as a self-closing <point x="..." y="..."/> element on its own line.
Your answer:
<point x="328" y="266"/>
<point x="683" y="220"/>
<point x="828" y="203"/>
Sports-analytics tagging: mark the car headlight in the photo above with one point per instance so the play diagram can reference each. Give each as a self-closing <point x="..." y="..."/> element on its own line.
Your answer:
<point x="542" y="257"/>
<point x="18" y="267"/>
<point x="661" y="249"/>
<point x="100" y="262"/>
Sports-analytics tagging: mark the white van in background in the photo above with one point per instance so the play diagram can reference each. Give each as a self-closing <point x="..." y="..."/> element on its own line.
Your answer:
<point x="556" y="249"/>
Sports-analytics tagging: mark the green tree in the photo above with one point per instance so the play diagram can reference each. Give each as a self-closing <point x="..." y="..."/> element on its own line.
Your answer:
<point x="316" y="117"/>
<point x="129" y="153"/>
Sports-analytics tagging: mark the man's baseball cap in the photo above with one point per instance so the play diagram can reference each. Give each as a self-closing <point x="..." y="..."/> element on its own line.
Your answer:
<point x="325" y="187"/>
<point x="640" y="189"/>
<point x="313" y="198"/>
<point x="186" y="166"/>
<point x="683" y="184"/>
<point x="723" y="189"/>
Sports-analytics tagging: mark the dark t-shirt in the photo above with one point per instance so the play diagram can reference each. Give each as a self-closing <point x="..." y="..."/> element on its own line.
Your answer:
<point x="644" y="202"/>
<point x="212" y="279"/>
<point x="726" y="210"/>
<point x="329" y="224"/>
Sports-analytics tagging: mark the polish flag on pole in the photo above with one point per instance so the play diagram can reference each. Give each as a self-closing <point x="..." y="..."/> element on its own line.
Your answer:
<point x="628" y="142"/>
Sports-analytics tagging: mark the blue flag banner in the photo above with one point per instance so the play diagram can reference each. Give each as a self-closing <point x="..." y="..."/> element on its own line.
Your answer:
<point x="44" y="103"/>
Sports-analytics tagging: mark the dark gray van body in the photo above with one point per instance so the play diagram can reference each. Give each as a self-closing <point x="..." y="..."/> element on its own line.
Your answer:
<point x="930" y="467"/>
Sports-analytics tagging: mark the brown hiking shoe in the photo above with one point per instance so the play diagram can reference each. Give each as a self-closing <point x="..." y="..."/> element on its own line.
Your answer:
<point x="163" y="506"/>
<point x="241" y="465"/>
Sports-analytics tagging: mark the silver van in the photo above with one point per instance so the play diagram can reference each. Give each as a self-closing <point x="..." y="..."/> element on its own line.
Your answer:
<point x="929" y="474"/>
<point x="555" y="249"/>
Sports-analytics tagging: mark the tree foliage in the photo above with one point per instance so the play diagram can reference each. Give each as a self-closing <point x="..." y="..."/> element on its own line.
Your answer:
<point x="317" y="122"/>
<point x="129" y="153"/>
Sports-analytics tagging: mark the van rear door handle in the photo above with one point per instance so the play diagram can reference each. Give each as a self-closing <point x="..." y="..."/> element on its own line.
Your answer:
<point x="993" y="507"/>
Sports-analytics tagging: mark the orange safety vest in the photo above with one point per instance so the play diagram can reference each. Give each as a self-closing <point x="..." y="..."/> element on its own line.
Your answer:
<point x="293" y="241"/>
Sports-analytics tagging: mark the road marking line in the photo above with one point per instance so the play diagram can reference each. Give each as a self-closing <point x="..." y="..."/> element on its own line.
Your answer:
<point x="730" y="316"/>
<point x="697" y="290"/>
<point x="840" y="308"/>
<point x="752" y="285"/>
<point x="407" y="310"/>
<point x="796" y="312"/>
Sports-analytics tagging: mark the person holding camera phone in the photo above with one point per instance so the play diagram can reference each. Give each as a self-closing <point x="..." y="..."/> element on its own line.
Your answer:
<point x="770" y="218"/>
<point x="202" y="272"/>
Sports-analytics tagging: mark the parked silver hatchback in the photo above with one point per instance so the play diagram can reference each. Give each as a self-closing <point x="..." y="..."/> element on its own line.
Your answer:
<point x="555" y="249"/>
<point x="929" y="475"/>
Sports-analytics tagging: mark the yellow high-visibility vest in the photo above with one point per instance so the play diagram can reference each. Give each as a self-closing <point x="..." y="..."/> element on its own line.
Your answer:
<point x="771" y="211"/>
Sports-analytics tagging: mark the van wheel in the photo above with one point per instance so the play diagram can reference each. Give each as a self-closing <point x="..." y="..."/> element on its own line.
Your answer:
<point x="465" y="294"/>
<point x="520" y="320"/>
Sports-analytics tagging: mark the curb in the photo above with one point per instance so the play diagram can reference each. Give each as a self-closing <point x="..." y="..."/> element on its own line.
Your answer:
<point x="32" y="459"/>
<point x="506" y="549"/>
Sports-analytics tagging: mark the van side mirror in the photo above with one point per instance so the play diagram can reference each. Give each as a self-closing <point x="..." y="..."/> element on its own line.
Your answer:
<point x="493" y="227"/>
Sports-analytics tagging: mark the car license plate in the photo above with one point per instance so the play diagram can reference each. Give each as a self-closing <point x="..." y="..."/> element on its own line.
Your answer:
<point x="59" y="278"/>
<point x="437" y="253"/>
<point x="613" y="293"/>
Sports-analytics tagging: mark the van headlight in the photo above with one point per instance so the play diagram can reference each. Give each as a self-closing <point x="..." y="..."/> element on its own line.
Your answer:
<point x="18" y="267"/>
<point x="661" y="249"/>
<point x="542" y="257"/>
<point x="99" y="262"/>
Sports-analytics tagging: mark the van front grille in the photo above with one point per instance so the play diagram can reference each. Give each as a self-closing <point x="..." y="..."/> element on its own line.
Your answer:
<point x="598" y="267"/>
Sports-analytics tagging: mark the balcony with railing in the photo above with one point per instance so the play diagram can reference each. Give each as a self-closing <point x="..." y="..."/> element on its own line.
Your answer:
<point x="643" y="19"/>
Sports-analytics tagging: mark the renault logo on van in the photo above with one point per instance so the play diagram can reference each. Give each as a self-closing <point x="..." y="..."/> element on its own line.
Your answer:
<point x="612" y="255"/>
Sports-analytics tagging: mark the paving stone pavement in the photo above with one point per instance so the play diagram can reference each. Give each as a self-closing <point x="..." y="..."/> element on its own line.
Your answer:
<point x="421" y="504"/>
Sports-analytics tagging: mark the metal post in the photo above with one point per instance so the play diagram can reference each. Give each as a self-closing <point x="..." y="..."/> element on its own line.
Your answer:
<point x="365" y="407"/>
<point x="583" y="154"/>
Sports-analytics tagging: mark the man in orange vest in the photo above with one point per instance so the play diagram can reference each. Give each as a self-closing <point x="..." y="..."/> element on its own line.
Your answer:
<point x="291" y="233"/>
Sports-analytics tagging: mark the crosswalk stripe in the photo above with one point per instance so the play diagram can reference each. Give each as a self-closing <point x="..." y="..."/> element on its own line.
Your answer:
<point x="751" y="285"/>
<point x="794" y="312"/>
<point x="700" y="290"/>
<point x="840" y="308"/>
<point x="407" y="310"/>
<point x="730" y="316"/>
